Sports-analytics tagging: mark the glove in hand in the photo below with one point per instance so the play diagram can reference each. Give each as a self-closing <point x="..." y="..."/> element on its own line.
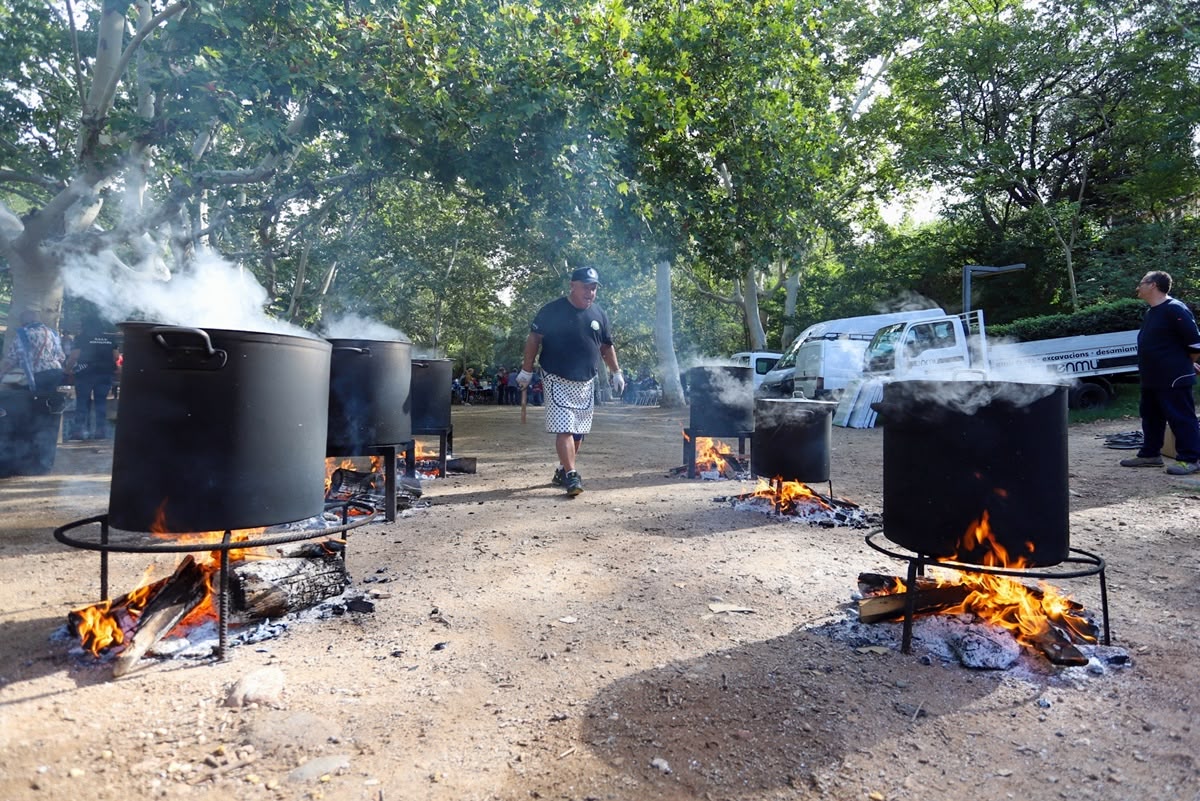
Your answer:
<point x="523" y="378"/>
<point x="618" y="383"/>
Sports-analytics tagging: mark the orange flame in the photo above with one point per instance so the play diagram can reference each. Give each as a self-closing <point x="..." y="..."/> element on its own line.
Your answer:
<point x="422" y="454"/>
<point x="786" y="496"/>
<point x="358" y="465"/>
<point x="1000" y="600"/>
<point x="105" y="624"/>
<point x="713" y="455"/>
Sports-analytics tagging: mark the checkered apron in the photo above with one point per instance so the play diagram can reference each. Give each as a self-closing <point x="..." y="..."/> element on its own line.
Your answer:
<point x="568" y="405"/>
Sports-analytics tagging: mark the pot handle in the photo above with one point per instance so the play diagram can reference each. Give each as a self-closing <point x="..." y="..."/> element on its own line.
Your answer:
<point x="348" y="349"/>
<point x="201" y="356"/>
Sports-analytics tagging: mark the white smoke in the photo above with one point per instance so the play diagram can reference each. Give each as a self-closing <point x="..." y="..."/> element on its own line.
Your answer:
<point x="355" y="326"/>
<point x="967" y="394"/>
<point x="772" y="412"/>
<point x="731" y="386"/>
<point x="209" y="293"/>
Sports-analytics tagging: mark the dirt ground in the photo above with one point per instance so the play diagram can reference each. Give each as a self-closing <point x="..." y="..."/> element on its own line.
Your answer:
<point x="528" y="646"/>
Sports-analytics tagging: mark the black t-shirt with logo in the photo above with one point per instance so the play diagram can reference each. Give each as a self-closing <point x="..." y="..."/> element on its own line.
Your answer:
<point x="571" y="338"/>
<point x="96" y="356"/>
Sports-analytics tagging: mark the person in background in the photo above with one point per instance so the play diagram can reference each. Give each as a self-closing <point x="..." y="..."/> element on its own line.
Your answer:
<point x="501" y="386"/>
<point x="1168" y="348"/>
<point x="514" y="391"/>
<point x="92" y="363"/>
<point x="572" y="335"/>
<point x="469" y="385"/>
<point x="34" y="358"/>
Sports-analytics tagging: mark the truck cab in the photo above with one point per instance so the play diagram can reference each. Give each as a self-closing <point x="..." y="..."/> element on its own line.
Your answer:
<point x="761" y="361"/>
<point x="920" y="349"/>
<point x="828" y="356"/>
<point x="951" y="346"/>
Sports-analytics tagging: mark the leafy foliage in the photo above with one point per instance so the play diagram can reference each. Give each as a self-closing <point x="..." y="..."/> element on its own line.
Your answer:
<point x="1119" y="315"/>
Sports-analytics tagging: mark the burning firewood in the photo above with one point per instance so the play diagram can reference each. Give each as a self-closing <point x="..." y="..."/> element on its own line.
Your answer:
<point x="186" y="589"/>
<point x="259" y="589"/>
<point x="1056" y="646"/>
<point x="890" y="606"/>
<point x="1049" y="624"/>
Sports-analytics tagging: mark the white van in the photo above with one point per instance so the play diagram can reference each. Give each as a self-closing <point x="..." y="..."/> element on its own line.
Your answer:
<point x="827" y="356"/>
<point x="761" y="360"/>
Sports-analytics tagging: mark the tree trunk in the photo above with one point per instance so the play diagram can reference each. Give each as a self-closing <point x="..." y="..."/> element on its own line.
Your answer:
<point x="754" y="325"/>
<point x="664" y="337"/>
<point x="791" y="298"/>
<point x="36" y="285"/>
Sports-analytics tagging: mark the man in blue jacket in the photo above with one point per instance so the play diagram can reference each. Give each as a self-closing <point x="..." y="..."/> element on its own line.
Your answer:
<point x="1168" y="347"/>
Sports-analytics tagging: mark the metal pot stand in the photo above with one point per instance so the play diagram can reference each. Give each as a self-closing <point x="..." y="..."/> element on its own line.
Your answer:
<point x="104" y="545"/>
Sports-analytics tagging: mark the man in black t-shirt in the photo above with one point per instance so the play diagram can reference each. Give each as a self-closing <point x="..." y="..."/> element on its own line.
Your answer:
<point x="92" y="361"/>
<point x="1168" y="347"/>
<point x="572" y="334"/>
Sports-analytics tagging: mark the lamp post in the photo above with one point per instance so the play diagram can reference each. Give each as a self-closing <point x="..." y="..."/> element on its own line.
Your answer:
<point x="983" y="272"/>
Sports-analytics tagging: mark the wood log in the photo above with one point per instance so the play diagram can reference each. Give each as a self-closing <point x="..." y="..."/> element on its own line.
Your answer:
<point x="183" y="591"/>
<point x="878" y="583"/>
<point x="462" y="464"/>
<point x="891" y="607"/>
<point x="1057" y="647"/>
<point x="271" y="588"/>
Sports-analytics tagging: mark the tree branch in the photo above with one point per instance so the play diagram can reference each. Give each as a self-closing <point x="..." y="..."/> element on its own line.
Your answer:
<point x="78" y="65"/>
<point x="110" y="89"/>
<point x="44" y="181"/>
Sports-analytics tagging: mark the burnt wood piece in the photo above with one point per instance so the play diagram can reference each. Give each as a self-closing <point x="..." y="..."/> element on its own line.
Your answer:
<point x="462" y="464"/>
<point x="270" y="588"/>
<point x="1057" y="647"/>
<point x="880" y="583"/>
<point x="891" y="606"/>
<point x="186" y="589"/>
<point x="344" y="483"/>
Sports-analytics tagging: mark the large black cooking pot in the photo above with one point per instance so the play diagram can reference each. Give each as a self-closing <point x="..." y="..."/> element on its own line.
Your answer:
<point x="791" y="439"/>
<point x="218" y="429"/>
<point x="721" y="400"/>
<point x="954" y="450"/>
<point x="432" y="381"/>
<point x="369" y="399"/>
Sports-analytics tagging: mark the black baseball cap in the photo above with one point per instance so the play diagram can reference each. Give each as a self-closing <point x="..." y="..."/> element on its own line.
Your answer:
<point x="587" y="275"/>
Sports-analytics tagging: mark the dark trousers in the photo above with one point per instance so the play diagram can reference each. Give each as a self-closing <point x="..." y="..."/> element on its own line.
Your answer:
<point x="92" y="391"/>
<point x="1174" y="407"/>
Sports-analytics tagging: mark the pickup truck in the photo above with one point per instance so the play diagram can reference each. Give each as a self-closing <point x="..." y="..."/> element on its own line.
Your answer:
<point x="948" y="347"/>
<point x="827" y="356"/>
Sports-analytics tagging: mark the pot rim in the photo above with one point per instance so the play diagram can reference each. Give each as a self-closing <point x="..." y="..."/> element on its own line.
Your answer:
<point x="303" y="339"/>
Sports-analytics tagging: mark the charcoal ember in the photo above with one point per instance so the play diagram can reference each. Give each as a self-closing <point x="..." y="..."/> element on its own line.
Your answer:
<point x="984" y="647"/>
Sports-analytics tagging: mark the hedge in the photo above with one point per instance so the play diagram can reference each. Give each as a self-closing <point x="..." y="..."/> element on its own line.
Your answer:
<point x="1103" y="318"/>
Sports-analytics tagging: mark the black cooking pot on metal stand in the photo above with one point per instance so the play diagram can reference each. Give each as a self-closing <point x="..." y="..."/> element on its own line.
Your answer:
<point x="218" y="429"/>
<point x="721" y="400"/>
<point x="432" y="382"/>
<point x="953" y="450"/>
<point x="791" y="439"/>
<point x="370" y="402"/>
